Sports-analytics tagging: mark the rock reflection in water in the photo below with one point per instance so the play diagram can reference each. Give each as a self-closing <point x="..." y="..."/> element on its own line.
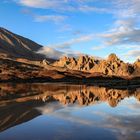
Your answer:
<point x="19" y="102"/>
<point x="64" y="93"/>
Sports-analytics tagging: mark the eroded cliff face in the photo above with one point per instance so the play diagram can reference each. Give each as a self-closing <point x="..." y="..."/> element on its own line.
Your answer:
<point x="137" y="68"/>
<point x="111" y="66"/>
<point x="83" y="63"/>
<point x="114" y="66"/>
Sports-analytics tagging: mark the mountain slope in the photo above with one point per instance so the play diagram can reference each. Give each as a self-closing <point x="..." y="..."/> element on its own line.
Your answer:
<point x="16" y="46"/>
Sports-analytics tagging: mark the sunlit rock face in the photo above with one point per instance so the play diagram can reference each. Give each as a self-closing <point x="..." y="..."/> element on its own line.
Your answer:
<point x="82" y="63"/>
<point x="112" y="66"/>
<point x="113" y="57"/>
<point x="137" y="68"/>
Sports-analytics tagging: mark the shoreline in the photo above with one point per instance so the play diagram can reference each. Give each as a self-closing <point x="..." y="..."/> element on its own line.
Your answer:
<point x="111" y="82"/>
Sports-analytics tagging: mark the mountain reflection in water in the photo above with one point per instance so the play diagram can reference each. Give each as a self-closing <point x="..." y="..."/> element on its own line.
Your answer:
<point x="21" y="103"/>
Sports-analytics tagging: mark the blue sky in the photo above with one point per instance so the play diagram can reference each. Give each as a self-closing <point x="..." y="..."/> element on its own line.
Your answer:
<point x="73" y="27"/>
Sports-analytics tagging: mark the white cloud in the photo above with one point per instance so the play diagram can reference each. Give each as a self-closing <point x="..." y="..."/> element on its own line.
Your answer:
<point x="127" y="9"/>
<point x="122" y="35"/>
<point x="69" y="43"/>
<point x="64" y="5"/>
<point x="123" y="8"/>
<point x="87" y="8"/>
<point x="54" y="18"/>
<point x="125" y="31"/>
<point x="133" y="53"/>
<point x="50" y="108"/>
<point x="41" y="3"/>
<point x="95" y="48"/>
<point x="55" y="54"/>
<point x="51" y="53"/>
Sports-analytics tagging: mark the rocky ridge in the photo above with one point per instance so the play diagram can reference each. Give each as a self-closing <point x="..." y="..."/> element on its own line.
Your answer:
<point x="111" y="66"/>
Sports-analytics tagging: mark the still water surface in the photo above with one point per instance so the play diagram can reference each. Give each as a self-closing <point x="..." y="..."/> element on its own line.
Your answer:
<point x="68" y="112"/>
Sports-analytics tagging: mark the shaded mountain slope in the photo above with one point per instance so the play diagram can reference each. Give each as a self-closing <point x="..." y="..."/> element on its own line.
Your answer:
<point x="15" y="46"/>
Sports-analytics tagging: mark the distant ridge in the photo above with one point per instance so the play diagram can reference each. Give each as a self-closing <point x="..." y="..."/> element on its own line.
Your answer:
<point x="110" y="66"/>
<point x="16" y="46"/>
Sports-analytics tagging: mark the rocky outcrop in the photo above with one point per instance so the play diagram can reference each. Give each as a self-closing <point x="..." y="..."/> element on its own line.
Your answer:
<point x="112" y="66"/>
<point x="82" y="63"/>
<point x="136" y="66"/>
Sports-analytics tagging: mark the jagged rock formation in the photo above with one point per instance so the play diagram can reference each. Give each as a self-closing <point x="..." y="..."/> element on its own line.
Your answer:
<point x="83" y="63"/>
<point x="112" y="66"/>
<point x="15" y="46"/>
<point x="136" y="66"/>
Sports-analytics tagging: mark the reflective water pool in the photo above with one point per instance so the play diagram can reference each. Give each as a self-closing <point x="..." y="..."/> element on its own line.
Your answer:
<point x="69" y="112"/>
